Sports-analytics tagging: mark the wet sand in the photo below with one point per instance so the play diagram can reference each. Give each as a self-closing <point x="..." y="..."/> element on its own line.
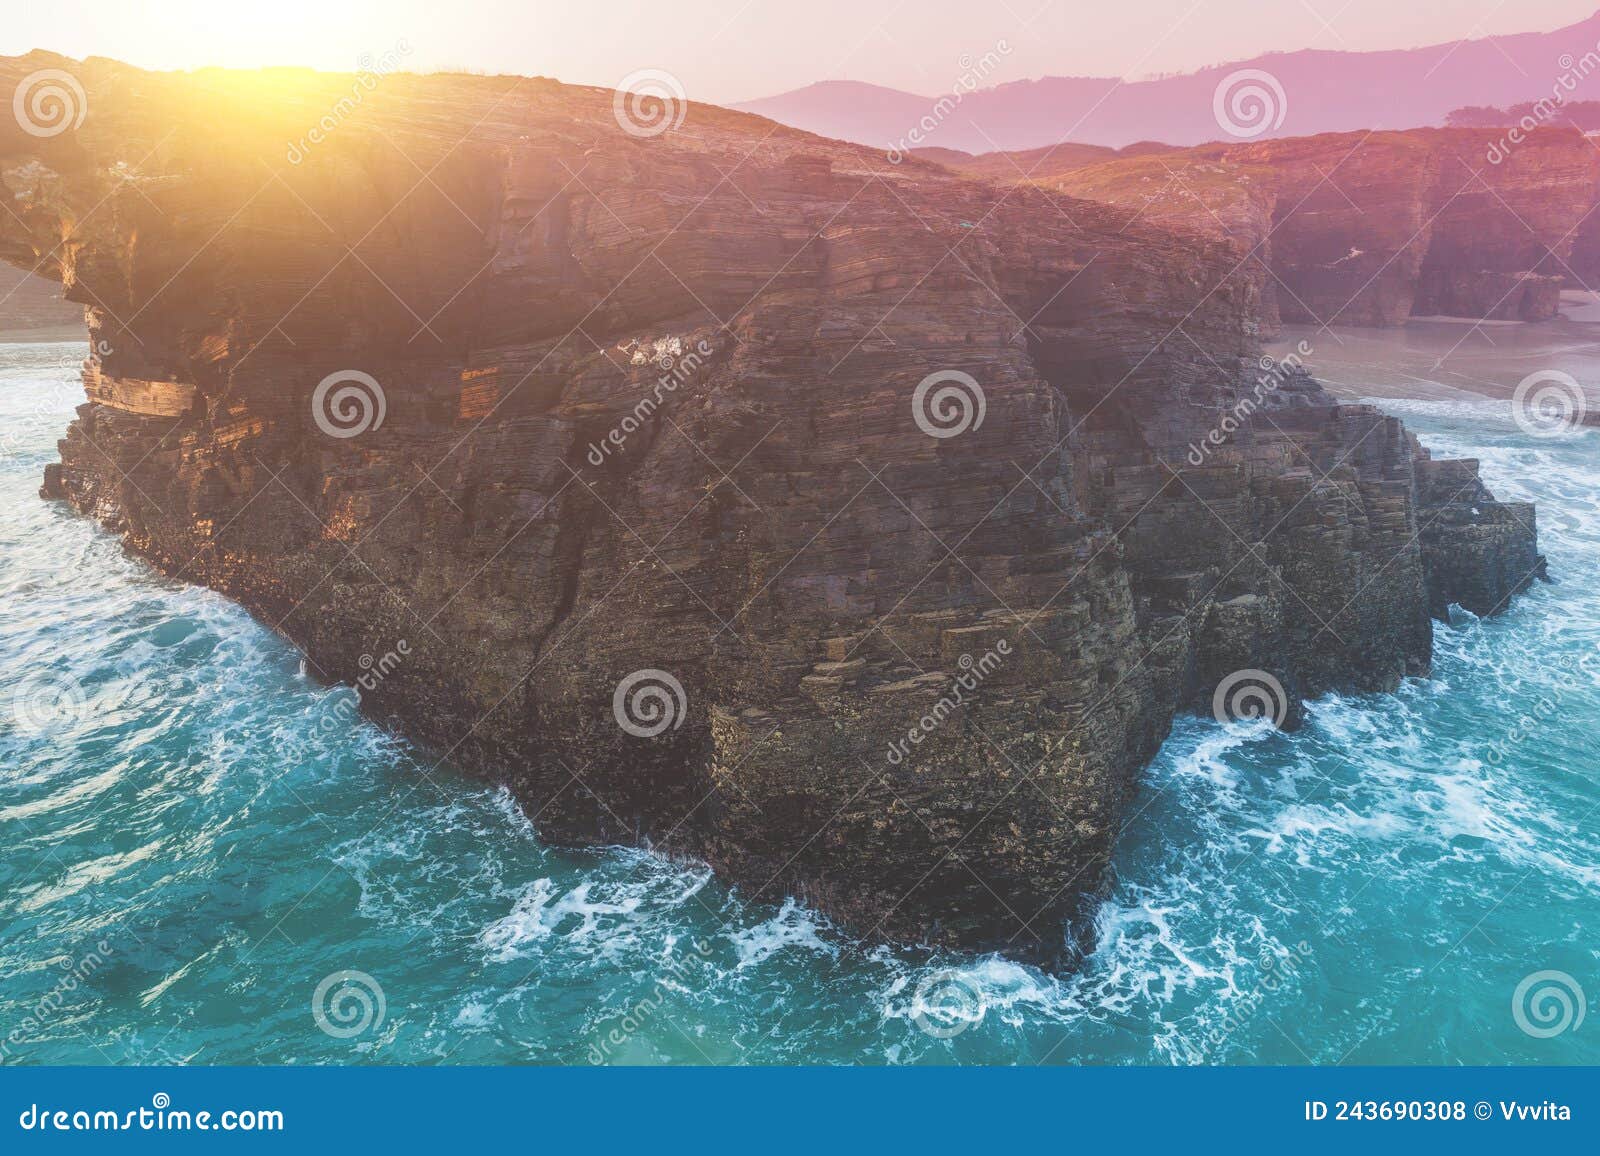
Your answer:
<point x="44" y="333"/>
<point x="1438" y="358"/>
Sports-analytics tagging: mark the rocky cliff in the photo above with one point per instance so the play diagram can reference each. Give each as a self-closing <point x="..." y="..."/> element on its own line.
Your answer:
<point x="1369" y="229"/>
<point x="1366" y="228"/>
<point x="858" y="528"/>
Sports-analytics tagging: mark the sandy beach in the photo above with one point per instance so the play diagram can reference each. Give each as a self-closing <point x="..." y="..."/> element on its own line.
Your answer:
<point x="1438" y="358"/>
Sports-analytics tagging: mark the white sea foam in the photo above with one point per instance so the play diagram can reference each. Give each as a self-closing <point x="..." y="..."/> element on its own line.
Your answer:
<point x="792" y="927"/>
<point x="1358" y="850"/>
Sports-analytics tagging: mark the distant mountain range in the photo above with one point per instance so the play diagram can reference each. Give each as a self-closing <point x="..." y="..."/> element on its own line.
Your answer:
<point x="1321" y="92"/>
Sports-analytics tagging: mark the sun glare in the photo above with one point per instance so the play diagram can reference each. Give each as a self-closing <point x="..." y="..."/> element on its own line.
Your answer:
<point x="256" y="35"/>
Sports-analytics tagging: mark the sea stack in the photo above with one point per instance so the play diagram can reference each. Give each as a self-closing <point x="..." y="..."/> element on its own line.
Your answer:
<point x="856" y="527"/>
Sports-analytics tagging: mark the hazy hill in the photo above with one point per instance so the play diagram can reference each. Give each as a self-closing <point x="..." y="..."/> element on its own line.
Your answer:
<point x="1324" y="91"/>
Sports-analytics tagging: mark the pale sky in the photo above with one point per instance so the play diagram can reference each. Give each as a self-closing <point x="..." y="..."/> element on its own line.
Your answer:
<point x="731" y="50"/>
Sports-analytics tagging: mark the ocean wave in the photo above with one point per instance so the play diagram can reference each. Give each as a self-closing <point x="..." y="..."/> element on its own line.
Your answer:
<point x="793" y="927"/>
<point x="1275" y="897"/>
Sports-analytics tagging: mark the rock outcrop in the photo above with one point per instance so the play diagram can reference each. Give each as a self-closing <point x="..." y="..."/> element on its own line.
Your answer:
<point x="1367" y="228"/>
<point x="1422" y="223"/>
<point x="625" y="433"/>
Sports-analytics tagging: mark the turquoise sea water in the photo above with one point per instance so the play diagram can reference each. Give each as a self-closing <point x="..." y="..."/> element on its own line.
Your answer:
<point x="195" y="838"/>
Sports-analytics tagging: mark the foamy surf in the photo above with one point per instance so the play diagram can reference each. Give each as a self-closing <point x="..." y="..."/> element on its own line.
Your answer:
<point x="233" y="837"/>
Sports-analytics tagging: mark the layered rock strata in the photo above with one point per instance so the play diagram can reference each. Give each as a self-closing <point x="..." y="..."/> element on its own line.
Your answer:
<point x="624" y="432"/>
<point x="1374" y="228"/>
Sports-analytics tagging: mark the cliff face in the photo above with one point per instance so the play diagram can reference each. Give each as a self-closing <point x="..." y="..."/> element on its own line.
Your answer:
<point x="643" y="470"/>
<point x="1373" y="228"/>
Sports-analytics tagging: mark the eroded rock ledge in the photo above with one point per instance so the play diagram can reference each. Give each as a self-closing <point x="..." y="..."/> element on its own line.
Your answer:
<point x="776" y="531"/>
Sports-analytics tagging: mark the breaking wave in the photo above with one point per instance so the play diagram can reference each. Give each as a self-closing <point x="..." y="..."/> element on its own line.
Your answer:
<point x="1370" y="888"/>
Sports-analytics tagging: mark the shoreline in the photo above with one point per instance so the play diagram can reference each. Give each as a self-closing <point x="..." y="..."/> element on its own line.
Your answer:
<point x="44" y="335"/>
<point x="1436" y="359"/>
